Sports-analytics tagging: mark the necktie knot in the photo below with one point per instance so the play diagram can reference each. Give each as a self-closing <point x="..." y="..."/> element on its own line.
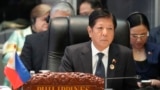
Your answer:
<point x="100" y="55"/>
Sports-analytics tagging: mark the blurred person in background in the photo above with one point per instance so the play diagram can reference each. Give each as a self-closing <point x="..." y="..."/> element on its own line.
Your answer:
<point x="88" y="6"/>
<point x="38" y="16"/>
<point x="35" y="51"/>
<point x="145" y="53"/>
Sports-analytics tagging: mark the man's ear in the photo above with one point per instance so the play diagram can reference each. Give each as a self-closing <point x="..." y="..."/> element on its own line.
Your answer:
<point x="89" y="29"/>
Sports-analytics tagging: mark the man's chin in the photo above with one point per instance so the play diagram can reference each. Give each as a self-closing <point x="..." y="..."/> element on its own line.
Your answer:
<point x="139" y="47"/>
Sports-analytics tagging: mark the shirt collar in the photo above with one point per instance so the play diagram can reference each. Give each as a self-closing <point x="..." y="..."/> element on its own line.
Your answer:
<point x="95" y="50"/>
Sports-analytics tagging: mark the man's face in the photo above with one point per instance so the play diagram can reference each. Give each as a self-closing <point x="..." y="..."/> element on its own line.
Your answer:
<point x="41" y="23"/>
<point x="85" y="9"/>
<point x="102" y="33"/>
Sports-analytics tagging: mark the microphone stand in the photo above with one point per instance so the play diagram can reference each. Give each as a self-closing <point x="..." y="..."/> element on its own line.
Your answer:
<point x="105" y="84"/>
<point x="124" y="78"/>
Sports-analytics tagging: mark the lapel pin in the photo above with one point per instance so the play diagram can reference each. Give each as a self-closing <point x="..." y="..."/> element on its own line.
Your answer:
<point x="149" y="52"/>
<point x="112" y="66"/>
<point x="114" y="61"/>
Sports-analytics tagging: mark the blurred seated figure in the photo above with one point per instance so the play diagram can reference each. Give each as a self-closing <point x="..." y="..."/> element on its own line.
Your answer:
<point x="64" y="81"/>
<point x="155" y="35"/>
<point x="16" y="41"/>
<point x="35" y="51"/>
<point x="145" y="53"/>
<point x="88" y="6"/>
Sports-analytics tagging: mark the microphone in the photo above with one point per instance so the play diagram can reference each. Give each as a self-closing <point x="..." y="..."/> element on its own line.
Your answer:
<point x="133" y="77"/>
<point x="116" y="78"/>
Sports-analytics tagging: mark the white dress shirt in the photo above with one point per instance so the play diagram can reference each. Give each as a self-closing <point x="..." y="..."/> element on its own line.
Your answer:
<point x="95" y="58"/>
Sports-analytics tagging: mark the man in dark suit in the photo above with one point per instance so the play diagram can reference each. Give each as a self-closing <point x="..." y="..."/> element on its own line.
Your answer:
<point x="116" y="62"/>
<point x="35" y="51"/>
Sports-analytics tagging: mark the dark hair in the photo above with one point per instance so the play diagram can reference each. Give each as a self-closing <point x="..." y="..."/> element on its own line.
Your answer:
<point x="136" y="19"/>
<point x="96" y="14"/>
<point x="95" y="4"/>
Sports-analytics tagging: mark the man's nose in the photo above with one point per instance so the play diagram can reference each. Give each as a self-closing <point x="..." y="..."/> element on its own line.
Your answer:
<point x="104" y="31"/>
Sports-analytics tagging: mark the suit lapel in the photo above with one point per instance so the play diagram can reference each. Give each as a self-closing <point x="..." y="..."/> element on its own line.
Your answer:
<point x="112" y="61"/>
<point x="86" y="58"/>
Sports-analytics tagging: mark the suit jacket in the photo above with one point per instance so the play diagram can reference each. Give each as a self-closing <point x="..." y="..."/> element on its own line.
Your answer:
<point x="78" y="58"/>
<point x="34" y="52"/>
<point x="151" y="67"/>
<point x="155" y="35"/>
<point x="152" y="52"/>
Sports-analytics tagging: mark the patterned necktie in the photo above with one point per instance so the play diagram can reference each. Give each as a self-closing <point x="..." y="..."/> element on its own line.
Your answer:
<point x="100" y="71"/>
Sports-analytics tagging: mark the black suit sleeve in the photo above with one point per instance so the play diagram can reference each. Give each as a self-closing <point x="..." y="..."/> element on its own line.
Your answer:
<point x="27" y="54"/>
<point x="130" y="71"/>
<point x="66" y="65"/>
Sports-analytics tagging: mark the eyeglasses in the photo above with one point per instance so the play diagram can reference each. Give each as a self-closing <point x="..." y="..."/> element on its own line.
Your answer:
<point x="136" y="36"/>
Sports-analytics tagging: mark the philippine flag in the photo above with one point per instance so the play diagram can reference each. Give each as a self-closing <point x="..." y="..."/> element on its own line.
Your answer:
<point x="16" y="72"/>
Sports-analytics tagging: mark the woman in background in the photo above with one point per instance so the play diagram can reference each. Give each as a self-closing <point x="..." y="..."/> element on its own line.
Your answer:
<point x="145" y="53"/>
<point x="39" y="15"/>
